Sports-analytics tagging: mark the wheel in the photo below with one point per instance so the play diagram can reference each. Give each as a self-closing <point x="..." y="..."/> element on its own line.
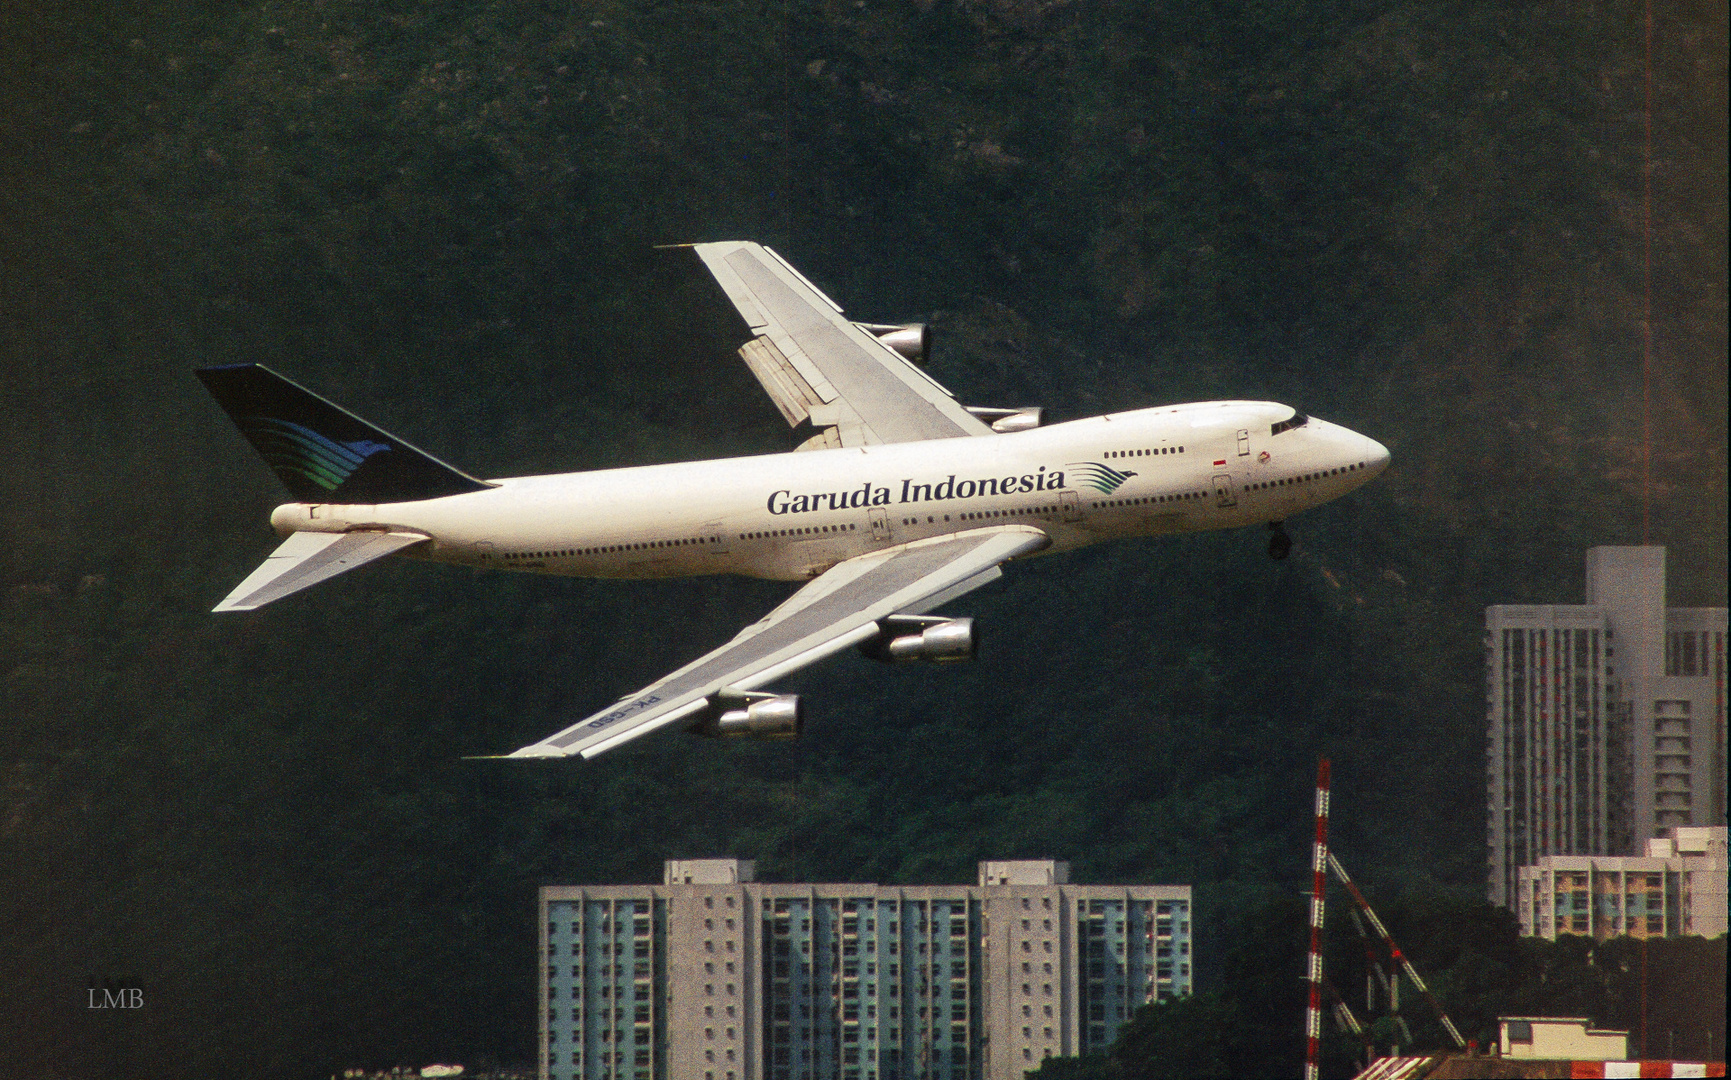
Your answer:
<point x="1279" y="546"/>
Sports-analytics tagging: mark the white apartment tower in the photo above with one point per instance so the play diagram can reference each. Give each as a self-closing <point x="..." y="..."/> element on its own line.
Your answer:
<point x="1606" y="720"/>
<point x="714" y="976"/>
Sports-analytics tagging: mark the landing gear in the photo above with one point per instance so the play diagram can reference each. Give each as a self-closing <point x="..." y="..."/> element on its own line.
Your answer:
<point x="1280" y="544"/>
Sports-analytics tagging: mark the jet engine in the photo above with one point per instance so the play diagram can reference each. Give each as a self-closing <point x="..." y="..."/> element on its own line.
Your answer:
<point x="902" y="638"/>
<point x="1004" y="421"/>
<point x="752" y="716"/>
<point x="913" y="341"/>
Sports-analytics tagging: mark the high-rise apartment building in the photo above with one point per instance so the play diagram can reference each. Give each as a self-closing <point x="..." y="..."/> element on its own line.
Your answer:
<point x="714" y="976"/>
<point x="1606" y="720"/>
<point x="1677" y="887"/>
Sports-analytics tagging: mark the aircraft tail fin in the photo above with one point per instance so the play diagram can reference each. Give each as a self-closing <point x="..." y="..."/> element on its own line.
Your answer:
<point x="323" y="453"/>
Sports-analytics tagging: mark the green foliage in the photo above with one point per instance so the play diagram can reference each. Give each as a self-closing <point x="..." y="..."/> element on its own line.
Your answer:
<point x="1413" y="218"/>
<point x="1092" y="1067"/>
<point x="1471" y="958"/>
<point x="1186" y="1037"/>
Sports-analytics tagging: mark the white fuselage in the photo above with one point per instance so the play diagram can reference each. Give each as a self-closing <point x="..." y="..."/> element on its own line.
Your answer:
<point x="1212" y="465"/>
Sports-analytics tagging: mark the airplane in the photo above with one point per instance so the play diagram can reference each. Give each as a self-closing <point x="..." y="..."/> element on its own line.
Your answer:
<point x="900" y="501"/>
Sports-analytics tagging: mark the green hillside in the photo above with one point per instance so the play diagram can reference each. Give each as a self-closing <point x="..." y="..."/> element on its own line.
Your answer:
<point x="1426" y="221"/>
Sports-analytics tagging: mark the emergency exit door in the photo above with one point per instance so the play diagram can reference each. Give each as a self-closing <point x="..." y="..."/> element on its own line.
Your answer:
<point x="1223" y="490"/>
<point x="1071" y="504"/>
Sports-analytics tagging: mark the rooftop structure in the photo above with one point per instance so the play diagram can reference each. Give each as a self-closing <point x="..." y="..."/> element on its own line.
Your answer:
<point x="1559" y="1038"/>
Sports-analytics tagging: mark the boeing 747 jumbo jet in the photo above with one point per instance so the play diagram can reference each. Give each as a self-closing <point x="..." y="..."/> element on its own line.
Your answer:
<point x="901" y="500"/>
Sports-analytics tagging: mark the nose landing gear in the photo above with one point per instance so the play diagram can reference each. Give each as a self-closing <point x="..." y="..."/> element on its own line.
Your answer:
<point x="1280" y="544"/>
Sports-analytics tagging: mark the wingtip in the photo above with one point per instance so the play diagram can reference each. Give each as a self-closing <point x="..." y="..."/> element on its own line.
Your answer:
<point x="517" y="755"/>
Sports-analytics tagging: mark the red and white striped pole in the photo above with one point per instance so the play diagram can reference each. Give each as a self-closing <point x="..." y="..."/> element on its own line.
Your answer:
<point x="1318" y="894"/>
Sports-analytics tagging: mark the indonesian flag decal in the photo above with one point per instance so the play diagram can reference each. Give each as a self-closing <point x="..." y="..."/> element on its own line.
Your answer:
<point x="1222" y="461"/>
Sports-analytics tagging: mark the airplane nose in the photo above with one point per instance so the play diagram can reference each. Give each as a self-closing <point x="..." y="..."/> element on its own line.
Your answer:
<point x="1376" y="456"/>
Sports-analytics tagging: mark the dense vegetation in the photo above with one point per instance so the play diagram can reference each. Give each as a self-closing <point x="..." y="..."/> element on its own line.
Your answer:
<point x="1667" y="991"/>
<point x="1424" y="220"/>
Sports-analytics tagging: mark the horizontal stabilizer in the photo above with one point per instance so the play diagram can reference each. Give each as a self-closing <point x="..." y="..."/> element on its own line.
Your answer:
<point x="307" y="558"/>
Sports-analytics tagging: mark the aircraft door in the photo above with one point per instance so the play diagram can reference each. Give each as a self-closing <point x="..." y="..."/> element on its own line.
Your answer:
<point x="1223" y="490"/>
<point x="880" y="522"/>
<point x="714" y="538"/>
<point x="1071" y="504"/>
<point x="1243" y="442"/>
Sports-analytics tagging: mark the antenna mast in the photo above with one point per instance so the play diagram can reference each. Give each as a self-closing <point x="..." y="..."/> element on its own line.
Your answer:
<point x="1318" y="895"/>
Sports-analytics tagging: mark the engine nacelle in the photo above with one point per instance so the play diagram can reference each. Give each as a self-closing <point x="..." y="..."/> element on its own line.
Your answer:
<point x="753" y="716"/>
<point x="1004" y="421"/>
<point x="913" y="341"/>
<point x="904" y="638"/>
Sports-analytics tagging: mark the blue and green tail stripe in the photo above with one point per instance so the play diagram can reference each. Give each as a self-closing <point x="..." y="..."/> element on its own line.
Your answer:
<point x="305" y="452"/>
<point x="322" y="452"/>
<point x="1102" y="478"/>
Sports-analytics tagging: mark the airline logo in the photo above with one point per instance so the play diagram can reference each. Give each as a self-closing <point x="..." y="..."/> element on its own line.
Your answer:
<point x="1102" y="478"/>
<point x="789" y="502"/>
<point x="290" y="447"/>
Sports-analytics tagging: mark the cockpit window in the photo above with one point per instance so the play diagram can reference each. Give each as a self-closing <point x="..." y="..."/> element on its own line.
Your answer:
<point x="1298" y="420"/>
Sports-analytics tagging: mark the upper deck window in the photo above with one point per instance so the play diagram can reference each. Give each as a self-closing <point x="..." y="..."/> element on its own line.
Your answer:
<point x="1298" y="420"/>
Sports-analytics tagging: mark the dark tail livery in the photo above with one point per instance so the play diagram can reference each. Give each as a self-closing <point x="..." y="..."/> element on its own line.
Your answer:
<point x="323" y="453"/>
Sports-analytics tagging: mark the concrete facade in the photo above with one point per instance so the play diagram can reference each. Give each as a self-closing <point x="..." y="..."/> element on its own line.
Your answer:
<point x="714" y="976"/>
<point x="1605" y="721"/>
<point x="1677" y="887"/>
<point x="1559" y="1038"/>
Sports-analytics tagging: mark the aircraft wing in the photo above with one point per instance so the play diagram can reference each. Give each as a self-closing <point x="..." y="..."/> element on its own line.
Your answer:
<point x="818" y="365"/>
<point x="833" y="611"/>
<point x="307" y="558"/>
